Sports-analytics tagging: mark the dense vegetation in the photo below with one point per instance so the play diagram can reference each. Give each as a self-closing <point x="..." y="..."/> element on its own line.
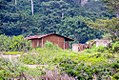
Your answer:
<point x="82" y="22"/>
<point x="51" y="16"/>
<point x="96" y="62"/>
<point x="14" y="43"/>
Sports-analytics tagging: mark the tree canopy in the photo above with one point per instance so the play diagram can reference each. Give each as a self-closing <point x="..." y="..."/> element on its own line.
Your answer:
<point x="51" y="16"/>
<point x="113" y="5"/>
<point x="110" y="25"/>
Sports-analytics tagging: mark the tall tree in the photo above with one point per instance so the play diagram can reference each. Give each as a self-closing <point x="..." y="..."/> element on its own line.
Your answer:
<point x="50" y="16"/>
<point x="113" y="5"/>
<point x="15" y="2"/>
<point x="109" y="25"/>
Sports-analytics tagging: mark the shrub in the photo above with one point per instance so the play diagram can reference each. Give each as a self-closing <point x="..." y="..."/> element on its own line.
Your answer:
<point x="116" y="76"/>
<point x="2" y="74"/>
<point x="101" y="49"/>
<point x="14" y="43"/>
<point x="115" y="47"/>
<point x="50" y="45"/>
<point x="84" y="71"/>
<point x="50" y="54"/>
<point x="95" y="49"/>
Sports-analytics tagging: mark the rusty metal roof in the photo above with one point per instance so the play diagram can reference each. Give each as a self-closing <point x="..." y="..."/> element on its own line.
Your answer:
<point x="45" y="35"/>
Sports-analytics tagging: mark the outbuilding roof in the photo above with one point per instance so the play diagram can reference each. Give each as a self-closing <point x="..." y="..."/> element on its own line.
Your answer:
<point x="45" y="35"/>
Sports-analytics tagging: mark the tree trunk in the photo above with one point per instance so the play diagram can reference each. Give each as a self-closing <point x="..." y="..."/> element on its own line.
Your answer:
<point x="62" y="15"/>
<point x="32" y="7"/>
<point x="15" y="2"/>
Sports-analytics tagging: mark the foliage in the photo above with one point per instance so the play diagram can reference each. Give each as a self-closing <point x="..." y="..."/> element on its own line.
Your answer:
<point x="50" y="45"/>
<point x="7" y="69"/>
<point x="83" y="65"/>
<point x="85" y="71"/>
<point x="13" y="69"/>
<point x="15" y="43"/>
<point x="65" y="17"/>
<point x="115" y="47"/>
<point x="112" y="5"/>
<point x="116" y="76"/>
<point x="51" y="16"/>
<point x="87" y="66"/>
<point x="45" y="56"/>
<point x="94" y="49"/>
<point x="109" y="25"/>
<point x="75" y="26"/>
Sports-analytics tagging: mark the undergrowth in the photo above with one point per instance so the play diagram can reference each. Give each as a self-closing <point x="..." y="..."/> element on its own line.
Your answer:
<point x="95" y="62"/>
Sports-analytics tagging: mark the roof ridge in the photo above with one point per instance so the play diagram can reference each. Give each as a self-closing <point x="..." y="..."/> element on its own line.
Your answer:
<point x="44" y="35"/>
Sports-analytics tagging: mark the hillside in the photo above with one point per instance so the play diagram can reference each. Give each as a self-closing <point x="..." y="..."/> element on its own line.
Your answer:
<point x="51" y="16"/>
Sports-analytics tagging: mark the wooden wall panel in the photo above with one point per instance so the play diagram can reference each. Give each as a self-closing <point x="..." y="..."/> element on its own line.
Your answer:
<point x="36" y="43"/>
<point x="57" y="40"/>
<point x="66" y="44"/>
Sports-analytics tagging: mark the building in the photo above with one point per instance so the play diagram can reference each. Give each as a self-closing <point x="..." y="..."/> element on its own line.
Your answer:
<point x="79" y="47"/>
<point x="102" y="42"/>
<point x="40" y="40"/>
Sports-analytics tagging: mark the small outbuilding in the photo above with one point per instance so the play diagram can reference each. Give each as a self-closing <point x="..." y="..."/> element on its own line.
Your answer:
<point x="79" y="47"/>
<point x="103" y="42"/>
<point x="40" y="40"/>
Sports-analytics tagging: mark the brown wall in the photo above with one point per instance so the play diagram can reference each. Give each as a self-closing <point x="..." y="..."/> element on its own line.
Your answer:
<point x="66" y="44"/>
<point x="57" y="40"/>
<point x="36" y="43"/>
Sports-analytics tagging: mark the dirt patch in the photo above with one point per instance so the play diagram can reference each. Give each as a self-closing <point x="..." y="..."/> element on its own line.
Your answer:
<point x="10" y="56"/>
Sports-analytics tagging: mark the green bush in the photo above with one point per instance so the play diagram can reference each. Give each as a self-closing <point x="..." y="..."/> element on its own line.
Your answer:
<point x="14" y="43"/>
<point x="115" y="47"/>
<point x="2" y="74"/>
<point x="9" y="70"/>
<point x="50" y="54"/>
<point x="95" y="49"/>
<point x="101" y="49"/>
<point x="81" y="66"/>
<point x="50" y="45"/>
<point x="116" y="76"/>
<point x="85" y="71"/>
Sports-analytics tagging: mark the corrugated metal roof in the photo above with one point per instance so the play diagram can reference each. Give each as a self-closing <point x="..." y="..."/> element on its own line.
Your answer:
<point x="41" y="36"/>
